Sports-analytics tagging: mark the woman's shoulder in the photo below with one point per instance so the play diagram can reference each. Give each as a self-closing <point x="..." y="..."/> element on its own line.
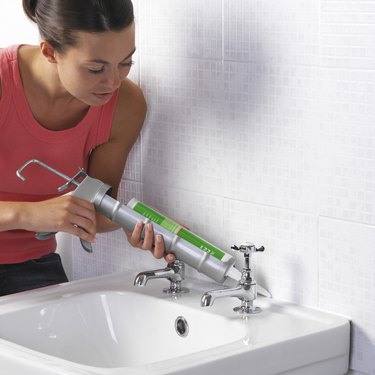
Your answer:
<point x="131" y="94"/>
<point x="130" y="110"/>
<point x="131" y="101"/>
<point x="7" y="55"/>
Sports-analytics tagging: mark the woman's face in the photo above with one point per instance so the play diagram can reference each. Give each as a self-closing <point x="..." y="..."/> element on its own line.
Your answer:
<point x="93" y="69"/>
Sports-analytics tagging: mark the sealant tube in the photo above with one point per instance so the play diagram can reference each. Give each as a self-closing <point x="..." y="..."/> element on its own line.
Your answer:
<point x="187" y="246"/>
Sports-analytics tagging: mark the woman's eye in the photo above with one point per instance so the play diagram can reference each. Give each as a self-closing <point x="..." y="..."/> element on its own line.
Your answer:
<point x="128" y="64"/>
<point x="96" y="71"/>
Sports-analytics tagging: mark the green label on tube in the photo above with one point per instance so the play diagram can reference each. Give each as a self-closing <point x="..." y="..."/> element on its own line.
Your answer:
<point x="177" y="229"/>
<point x="201" y="243"/>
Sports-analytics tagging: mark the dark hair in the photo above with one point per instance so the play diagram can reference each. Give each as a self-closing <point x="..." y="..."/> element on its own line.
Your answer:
<point x="58" y="20"/>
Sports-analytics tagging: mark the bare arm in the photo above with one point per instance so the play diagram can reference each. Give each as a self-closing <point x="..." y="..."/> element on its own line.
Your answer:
<point x="107" y="162"/>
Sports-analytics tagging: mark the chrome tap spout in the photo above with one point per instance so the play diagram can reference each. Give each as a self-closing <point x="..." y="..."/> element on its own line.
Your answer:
<point x="174" y="272"/>
<point x="239" y="292"/>
<point x="246" y="294"/>
<point x="166" y="273"/>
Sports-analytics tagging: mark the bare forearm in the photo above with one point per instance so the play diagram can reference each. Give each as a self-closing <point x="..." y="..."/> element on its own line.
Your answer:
<point x="11" y="216"/>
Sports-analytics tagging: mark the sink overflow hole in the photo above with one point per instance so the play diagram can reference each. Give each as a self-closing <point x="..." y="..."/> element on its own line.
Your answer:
<point x="181" y="326"/>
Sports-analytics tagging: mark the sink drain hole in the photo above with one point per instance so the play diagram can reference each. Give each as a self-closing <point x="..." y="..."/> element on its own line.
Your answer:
<point x="181" y="326"/>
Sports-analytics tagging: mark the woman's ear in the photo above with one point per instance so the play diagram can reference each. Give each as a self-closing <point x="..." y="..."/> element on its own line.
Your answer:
<point x="48" y="51"/>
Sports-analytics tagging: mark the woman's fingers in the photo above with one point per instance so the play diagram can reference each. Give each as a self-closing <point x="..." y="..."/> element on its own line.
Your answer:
<point x="81" y="219"/>
<point x="66" y="213"/>
<point x="152" y="242"/>
<point x="148" y="241"/>
<point x="159" y="250"/>
<point x="135" y="237"/>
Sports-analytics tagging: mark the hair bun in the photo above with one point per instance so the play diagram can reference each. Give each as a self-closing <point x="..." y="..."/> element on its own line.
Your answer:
<point x="29" y="7"/>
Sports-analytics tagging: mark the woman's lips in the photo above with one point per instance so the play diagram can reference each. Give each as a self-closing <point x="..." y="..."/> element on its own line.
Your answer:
<point x="103" y="96"/>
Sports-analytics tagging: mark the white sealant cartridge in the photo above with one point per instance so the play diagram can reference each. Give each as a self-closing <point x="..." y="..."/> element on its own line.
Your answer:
<point x="188" y="247"/>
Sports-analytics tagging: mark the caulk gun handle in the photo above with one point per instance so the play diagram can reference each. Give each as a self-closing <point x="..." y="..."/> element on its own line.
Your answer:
<point x="47" y="235"/>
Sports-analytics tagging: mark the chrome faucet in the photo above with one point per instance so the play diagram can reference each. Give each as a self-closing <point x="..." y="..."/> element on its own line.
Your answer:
<point x="246" y="289"/>
<point x="174" y="272"/>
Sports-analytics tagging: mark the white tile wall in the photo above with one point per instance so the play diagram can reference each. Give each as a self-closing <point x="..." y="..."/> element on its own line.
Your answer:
<point x="184" y="148"/>
<point x="347" y="32"/>
<point x="272" y="31"/>
<point x="133" y="165"/>
<point x="261" y="128"/>
<point x="271" y="134"/>
<point x="347" y="146"/>
<point x="186" y="28"/>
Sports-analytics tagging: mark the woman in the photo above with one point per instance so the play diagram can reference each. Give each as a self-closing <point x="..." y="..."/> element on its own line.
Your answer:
<point x="68" y="103"/>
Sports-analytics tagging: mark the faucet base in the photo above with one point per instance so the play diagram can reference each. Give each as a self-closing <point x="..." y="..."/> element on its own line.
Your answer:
<point x="247" y="310"/>
<point x="247" y="307"/>
<point x="175" y="288"/>
<point x="176" y="291"/>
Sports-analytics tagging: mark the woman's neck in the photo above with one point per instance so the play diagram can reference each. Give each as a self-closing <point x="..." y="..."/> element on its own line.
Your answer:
<point x="51" y="105"/>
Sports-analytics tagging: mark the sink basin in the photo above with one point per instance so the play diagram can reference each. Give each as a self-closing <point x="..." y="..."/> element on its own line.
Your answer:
<point x="116" y="329"/>
<point x="105" y="325"/>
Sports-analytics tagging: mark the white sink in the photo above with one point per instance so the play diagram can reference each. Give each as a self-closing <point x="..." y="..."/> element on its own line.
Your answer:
<point x="105" y="325"/>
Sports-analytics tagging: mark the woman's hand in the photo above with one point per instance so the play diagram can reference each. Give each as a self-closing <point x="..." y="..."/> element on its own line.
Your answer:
<point x="154" y="243"/>
<point x="63" y="214"/>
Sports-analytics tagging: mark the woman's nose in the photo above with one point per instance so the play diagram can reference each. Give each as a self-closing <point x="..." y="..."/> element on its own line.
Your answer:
<point x="114" y="78"/>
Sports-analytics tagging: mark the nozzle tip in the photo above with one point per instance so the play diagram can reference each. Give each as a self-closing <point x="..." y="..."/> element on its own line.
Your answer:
<point x="234" y="274"/>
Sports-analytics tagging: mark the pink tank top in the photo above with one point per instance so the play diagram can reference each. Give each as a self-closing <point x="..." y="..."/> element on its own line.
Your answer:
<point x="22" y="138"/>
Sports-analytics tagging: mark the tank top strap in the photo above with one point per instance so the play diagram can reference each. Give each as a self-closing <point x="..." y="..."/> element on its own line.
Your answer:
<point x="8" y="58"/>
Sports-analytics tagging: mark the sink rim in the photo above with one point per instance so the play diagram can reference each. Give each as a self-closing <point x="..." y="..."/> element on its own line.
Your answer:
<point x="123" y="281"/>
